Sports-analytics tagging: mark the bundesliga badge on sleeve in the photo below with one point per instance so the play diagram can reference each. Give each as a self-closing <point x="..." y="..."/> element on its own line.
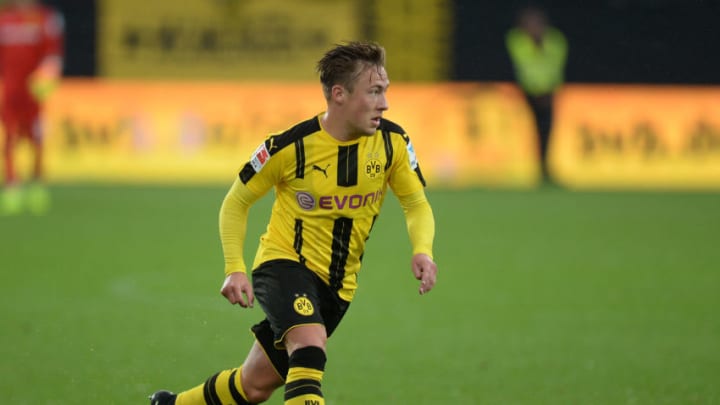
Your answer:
<point x="259" y="157"/>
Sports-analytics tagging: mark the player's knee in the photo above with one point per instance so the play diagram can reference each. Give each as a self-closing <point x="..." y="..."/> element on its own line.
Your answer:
<point x="309" y="357"/>
<point x="311" y="336"/>
<point x="316" y="341"/>
<point x="259" y="386"/>
<point x="257" y="394"/>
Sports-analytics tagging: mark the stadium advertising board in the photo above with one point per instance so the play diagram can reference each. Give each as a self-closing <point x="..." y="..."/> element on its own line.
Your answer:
<point x="193" y="132"/>
<point x="267" y="39"/>
<point x="240" y="40"/>
<point x="465" y="134"/>
<point x="638" y="137"/>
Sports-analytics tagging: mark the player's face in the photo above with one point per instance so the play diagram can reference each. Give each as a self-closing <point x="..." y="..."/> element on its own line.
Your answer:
<point x="366" y="103"/>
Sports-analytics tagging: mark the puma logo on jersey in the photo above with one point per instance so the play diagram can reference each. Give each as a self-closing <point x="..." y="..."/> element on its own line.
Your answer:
<point x="272" y="144"/>
<point x="320" y="169"/>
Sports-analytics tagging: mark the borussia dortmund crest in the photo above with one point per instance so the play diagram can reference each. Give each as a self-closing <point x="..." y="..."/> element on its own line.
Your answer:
<point x="373" y="169"/>
<point x="303" y="306"/>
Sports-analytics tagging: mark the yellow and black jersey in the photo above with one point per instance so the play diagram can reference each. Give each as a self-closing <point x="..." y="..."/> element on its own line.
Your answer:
<point x="328" y="194"/>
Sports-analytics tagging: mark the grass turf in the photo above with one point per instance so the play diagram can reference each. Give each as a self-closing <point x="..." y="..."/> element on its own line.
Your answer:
<point x="544" y="297"/>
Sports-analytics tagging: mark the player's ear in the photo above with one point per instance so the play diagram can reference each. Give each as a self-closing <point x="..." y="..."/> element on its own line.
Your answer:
<point x="338" y="93"/>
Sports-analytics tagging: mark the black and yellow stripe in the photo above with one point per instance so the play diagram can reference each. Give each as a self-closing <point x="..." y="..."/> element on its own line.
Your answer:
<point x="303" y="385"/>
<point x="347" y="167"/>
<point x="222" y="388"/>
<point x="298" y="242"/>
<point x="387" y="128"/>
<point x="368" y="236"/>
<point x="276" y="143"/>
<point x="234" y="392"/>
<point x="388" y="148"/>
<point x="299" y="158"/>
<point x="209" y="393"/>
<point x="417" y="167"/>
<point x="340" y="251"/>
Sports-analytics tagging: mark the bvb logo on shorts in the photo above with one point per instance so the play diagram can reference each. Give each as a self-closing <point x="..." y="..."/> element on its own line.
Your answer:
<point x="303" y="306"/>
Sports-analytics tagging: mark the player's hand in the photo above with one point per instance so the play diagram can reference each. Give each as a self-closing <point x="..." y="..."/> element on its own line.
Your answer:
<point x="238" y="290"/>
<point x="425" y="270"/>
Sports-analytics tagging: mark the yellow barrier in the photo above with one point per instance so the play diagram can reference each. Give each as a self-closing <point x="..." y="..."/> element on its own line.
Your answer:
<point x="465" y="134"/>
<point x="197" y="132"/>
<point x="638" y="136"/>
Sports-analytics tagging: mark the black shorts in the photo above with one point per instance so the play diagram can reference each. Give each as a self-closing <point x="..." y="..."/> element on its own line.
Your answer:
<point x="291" y="295"/>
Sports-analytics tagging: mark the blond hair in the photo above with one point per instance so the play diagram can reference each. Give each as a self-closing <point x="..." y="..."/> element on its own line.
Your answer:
<point x="345" y="62"/>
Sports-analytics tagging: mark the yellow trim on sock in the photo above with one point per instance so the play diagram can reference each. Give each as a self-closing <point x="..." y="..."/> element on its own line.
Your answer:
<point x="222" y="387"/>
<point x="302" y="373"/>
<point x="196" y="395"/>
<point x="238" y="383"/>
<point x="306" y="400"/>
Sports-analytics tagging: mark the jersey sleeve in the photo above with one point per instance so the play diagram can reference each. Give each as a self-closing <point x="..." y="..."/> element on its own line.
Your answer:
<point x="405" y="177"/>
<point x="420" y="222"/>
<point x="264" y="170"/>
<point x="233" y="225"/>
<point x="407" y="183"/>
<point x="256" y="178"/>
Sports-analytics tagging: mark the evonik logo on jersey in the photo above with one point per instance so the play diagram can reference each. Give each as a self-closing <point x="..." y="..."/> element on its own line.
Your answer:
<point x="329" y="202"/>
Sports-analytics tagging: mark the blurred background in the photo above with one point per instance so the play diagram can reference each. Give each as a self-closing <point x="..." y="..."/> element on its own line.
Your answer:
<point x="180" y="86"/>
<point x="591" y="279"/>
<point x="612" y="41"/>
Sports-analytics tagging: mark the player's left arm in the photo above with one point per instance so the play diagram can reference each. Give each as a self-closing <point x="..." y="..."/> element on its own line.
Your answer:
<point x="421" y="228"/>
<point x="407" y="183"/>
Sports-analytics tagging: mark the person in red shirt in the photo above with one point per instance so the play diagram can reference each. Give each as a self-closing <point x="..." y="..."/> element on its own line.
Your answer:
<point x="31" y="46"/>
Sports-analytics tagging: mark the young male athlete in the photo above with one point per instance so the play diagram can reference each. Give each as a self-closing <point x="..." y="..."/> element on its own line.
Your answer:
<point x="330" y="175"/>
<point x="31" y="37"/>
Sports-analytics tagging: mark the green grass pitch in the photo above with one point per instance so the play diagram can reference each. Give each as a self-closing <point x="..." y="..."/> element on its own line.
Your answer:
<point x="544" y="297"/>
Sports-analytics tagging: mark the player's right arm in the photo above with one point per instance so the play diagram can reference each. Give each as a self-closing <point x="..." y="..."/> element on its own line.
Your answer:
<point x="233" y="228"/>
<point x="244" y="192"/>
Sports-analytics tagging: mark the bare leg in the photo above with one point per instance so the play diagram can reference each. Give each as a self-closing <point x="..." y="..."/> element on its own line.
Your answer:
<point x="259" y="377"/>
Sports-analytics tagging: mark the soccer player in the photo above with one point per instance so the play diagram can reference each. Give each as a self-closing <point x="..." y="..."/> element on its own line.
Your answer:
<point x="330" y="175"/>
<point x="31" y="37"/>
